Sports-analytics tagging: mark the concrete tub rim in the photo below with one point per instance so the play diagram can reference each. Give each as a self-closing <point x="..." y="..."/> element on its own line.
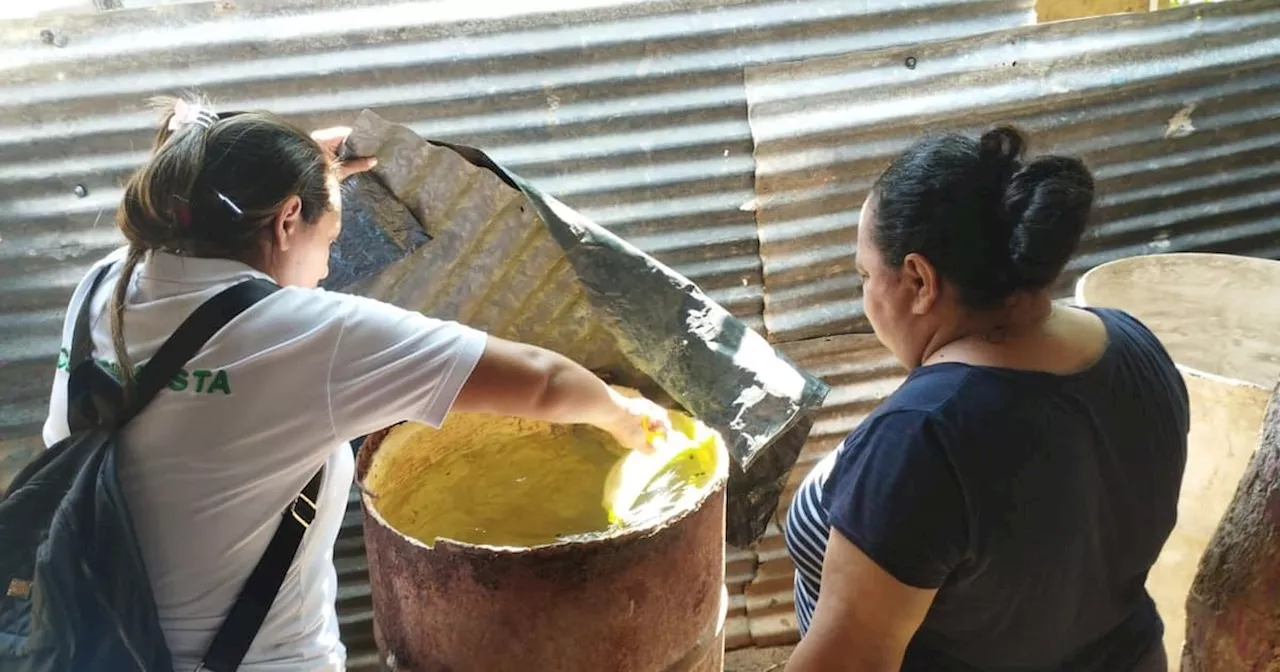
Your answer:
<point x="1186" y="370"/>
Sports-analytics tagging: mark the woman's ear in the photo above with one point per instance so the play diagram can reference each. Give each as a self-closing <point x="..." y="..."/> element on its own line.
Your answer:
<point x="287" y="224"/>
<point x="922" y="279"/>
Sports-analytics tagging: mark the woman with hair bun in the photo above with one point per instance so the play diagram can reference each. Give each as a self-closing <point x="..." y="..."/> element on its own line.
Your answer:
<point x="1000" y="511"/>
<point x="209" y="468"/>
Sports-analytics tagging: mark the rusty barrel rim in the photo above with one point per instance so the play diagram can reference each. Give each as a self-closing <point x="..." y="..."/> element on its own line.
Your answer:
<point x="714" y="488"/>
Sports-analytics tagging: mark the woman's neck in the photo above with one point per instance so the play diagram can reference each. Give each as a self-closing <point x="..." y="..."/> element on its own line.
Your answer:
<point x="1024" y="314"/>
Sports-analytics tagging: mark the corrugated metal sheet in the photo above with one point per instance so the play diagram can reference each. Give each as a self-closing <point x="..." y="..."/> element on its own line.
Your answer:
<point x="633" y="112"/>
<point x="862" y="373"/>
<point x="1174" y="111"/>
<point x="12" y="9"/>
<point x="491" y="262"/>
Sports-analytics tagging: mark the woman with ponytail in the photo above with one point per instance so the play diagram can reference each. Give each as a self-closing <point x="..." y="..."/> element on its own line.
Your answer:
<point x="1000" y="511"/>
<point x="276" y="396"/>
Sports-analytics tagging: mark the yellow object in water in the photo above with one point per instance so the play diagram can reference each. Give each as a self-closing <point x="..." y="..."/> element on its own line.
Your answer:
<point x="679" y="466"/>
<point x="502" y="481"/>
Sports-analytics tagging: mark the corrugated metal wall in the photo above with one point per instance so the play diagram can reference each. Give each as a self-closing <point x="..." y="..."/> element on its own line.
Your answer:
<point x="1175" y="111"/>
<point x="633" y="112"/>
<point x="636" y="113"/>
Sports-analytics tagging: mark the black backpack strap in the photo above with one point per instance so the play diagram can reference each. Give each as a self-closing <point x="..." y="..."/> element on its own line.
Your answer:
<point x="232" y="641"/>
<point x="191" y="335"/>
<point x="80" y="348"/>
<point x="95" y="399"/>
<point x="81" y="334"/>
<point x="259" y="592"/>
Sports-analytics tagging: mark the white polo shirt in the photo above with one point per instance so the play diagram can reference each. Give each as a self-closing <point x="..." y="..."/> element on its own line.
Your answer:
<point x="209" y="466"/>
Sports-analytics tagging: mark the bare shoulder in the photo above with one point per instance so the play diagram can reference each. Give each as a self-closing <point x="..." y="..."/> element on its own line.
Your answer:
<point x="1078" y="329"/>
<point x="1071" y="341"/>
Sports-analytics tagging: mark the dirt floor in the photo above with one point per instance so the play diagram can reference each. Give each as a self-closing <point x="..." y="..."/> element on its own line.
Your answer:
<point x="756" y="660"/>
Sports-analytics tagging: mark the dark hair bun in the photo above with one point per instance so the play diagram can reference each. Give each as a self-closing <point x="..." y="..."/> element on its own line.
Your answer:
<point x="1048" y="201"/>
<point x="991" y="222"/>
<point x="1003" y="144"/>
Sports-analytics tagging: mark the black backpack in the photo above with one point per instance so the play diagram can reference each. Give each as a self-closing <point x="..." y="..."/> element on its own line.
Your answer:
<point x="77" y="596"/>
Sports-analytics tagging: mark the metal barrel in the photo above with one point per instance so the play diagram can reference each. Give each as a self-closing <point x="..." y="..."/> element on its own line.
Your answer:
<point x="649" y="599"/>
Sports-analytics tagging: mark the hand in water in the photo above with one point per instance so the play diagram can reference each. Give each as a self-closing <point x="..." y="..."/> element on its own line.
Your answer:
<point x="640" y="424"/>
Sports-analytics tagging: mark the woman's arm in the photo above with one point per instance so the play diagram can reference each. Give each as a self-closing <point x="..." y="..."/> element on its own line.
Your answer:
<point x="899" y="529"/>
<point x="864" y="618"/>
<point x="517" y="379"/>
<point x="531" y="382"/>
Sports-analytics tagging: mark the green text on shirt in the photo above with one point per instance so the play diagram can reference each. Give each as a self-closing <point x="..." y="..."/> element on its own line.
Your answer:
<point x="198" y="381"/>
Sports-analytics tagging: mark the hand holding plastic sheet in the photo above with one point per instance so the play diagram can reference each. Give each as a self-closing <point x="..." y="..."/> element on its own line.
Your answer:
<point x="332" y="140"/>
<point x="445" y="230"/>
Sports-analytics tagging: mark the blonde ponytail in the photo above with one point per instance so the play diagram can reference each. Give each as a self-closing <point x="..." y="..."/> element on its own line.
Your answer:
<point x="118" y="298"/>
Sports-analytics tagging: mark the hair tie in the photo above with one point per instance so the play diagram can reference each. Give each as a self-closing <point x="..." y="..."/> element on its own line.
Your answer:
<point x="185" y="113"/>
<point x="181" y="212"/>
